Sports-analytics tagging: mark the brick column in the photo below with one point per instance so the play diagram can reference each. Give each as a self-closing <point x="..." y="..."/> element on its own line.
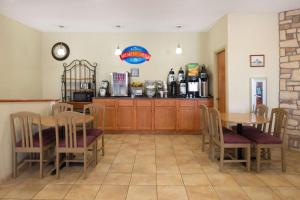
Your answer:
<point x="289" y="98"/>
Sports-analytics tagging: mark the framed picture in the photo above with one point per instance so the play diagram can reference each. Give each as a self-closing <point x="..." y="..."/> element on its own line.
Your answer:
<point x="258" y="92"/>
<point x="257" y="60"/>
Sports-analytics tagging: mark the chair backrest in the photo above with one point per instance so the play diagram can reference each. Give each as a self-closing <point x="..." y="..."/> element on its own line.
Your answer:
<point x="278" y="123"/>
<point x="24" y="125"/>
<point x="61" y="107"/>
<point x="204" y="118"/>
<point x="73" y="123"/>
<point x="98" y="113"/>
<point x="262" y="111"/>
<point x="215" y="125"/>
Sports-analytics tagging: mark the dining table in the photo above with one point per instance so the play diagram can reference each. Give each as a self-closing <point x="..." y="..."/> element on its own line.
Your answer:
<point x="241" y="119"/>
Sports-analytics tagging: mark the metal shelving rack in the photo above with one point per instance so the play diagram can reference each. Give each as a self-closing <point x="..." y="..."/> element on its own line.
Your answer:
<point x="78" y="76"/>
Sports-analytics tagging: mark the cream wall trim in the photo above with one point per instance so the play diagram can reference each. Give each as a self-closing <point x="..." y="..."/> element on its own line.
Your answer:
<point x="20" y="52"/>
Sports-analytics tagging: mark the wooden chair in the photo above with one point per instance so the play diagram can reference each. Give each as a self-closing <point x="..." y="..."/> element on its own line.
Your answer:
<point x="204" y="126"/>
<point x="274" y="138"/>
<point x="61" y="107"/>
<point x="229" y="140"/>
<point x="260" y="110"/>
<point x="98" y="112"/>
<point x="75" y="139"/>
<point x="28" y="137"/>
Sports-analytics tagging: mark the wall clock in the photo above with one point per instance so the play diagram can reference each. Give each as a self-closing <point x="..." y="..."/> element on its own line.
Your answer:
<point x="60" y="51"/>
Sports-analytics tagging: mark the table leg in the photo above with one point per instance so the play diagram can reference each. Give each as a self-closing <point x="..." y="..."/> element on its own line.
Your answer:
<point x="239" y="131"/>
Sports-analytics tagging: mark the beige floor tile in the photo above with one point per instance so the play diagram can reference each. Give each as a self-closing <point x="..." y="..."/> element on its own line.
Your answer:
<point x="142" y="192"/>
<point x="102" y="167"/>
<point x="145" y="159"/>
<point x="190" y="168"/>
<point x="166" y="168"/>
<point x="195" y="180"/>
<point x="143" y="179"/>
<point x="293" y="178"/>
<point x="53" y="191"/>
<point x="260" y="193"/>
<point x="287" y="193"/>
<point x="112" y="192"/>
<point x="222" y="180"/>
<point x="24" y="191"/>
<point x="248" y="180"/>
<point x="83" y="192"/>
<point x="231" y="193"/>
<point x="121" y="168"/>
<point x="144" y="168"/>
<point x="92" y="178"/>
<point x="273" y="180"/>
<point x="66" y="178"/>
<point x="117" y="179"/>
<point x="4" y="189"/>
<point x="169" y="179"/>
<point x="201" y="193"/>
<point x="171" y="193"/>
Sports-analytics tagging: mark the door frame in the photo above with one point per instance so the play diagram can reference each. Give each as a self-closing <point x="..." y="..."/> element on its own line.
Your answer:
<point x="216" y="105"/>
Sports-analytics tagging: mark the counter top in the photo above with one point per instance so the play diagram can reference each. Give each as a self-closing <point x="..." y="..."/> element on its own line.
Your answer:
<point x="26" y="100"/>
<point x="144" y="97"/>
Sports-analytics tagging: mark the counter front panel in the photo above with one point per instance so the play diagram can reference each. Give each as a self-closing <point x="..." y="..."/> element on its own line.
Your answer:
<point x="153" y="115"/>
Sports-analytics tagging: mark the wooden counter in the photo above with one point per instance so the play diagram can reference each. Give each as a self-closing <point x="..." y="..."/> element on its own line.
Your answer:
<point x="152" y="115"/>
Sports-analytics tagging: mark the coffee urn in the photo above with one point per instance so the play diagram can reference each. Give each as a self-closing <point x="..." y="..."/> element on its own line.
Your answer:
<point x="172" y="86"/>
<point x="203" y="82"/>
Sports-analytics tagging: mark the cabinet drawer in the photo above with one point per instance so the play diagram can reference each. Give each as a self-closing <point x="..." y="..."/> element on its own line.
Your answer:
<point x="141" y="103"/>
<point x="189" y="103"/>
<point x="125" y="102"/>
<point x="166" y="103"/>
<point x="207" y="102"/>
<point x="105" y="102"/>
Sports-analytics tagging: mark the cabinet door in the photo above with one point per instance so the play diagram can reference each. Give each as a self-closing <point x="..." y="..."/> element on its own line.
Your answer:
<point x="125" y="115"/>
<point x="143" y="115"/>
<point x="186" y="115"/>
<point x="165" y="118"/>
<point x="110" y="113"/>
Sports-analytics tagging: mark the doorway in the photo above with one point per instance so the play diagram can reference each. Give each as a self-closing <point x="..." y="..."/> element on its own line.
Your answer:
<point x="221" y="99"/>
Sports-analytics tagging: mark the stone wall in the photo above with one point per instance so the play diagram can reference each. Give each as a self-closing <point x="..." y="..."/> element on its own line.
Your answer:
<point x="289" y="33"/>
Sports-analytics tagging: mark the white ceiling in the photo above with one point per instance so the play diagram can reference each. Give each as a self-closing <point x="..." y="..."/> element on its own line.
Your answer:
<point x="132" y="15"/>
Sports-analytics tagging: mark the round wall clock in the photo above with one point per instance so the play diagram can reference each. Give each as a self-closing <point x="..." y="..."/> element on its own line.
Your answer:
<point x="60" y="51"/>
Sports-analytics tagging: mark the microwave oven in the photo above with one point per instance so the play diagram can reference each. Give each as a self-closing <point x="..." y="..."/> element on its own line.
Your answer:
<point x="83" y="96"/>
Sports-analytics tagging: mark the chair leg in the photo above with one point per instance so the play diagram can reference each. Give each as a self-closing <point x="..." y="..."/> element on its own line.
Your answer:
<point x="41" y="163"/>
<point x="68" y="157"/>
<point x="258" y="158"/>
<point x="283" y="159"/>
<point x="103" y="145"/>
<point x="84" y="164"/>
<point x="248" y="158"/>
<point x="203" y="141"/>
<point x="209" y="147"/>
<point x="15" y="164"/>
<point x="96" y="152"/>
<point x="221" y="158"/>
<point x="57" y="165"/>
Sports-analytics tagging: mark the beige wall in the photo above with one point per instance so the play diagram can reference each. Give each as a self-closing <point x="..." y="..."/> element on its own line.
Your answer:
<point x="217" y="41"/>
<point x="251" y="34"/>
<point x="99" y="47"/>
<point x="19" y="60"/>
<point x="43" y="108"/>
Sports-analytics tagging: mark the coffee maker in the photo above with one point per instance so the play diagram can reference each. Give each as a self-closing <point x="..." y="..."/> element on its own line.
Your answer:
<point x="203" y="82"/>
<point x="104" y="88"/>
<point x="192" y="79"/>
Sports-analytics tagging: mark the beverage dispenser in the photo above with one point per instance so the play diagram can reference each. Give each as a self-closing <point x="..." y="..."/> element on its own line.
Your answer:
<point x="203" y="82"/>
<point x="192" y="80"/>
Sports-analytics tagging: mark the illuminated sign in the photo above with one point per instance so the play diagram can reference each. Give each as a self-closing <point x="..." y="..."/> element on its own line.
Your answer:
<point x="135" y="55"/>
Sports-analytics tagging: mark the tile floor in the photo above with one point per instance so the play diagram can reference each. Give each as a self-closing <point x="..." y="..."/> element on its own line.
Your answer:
<point x="160" y="167"/>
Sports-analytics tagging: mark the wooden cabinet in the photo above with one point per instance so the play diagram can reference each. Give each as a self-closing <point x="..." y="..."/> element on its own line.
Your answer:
<point x="186" y="115"/>
<point x="144" y="115"/>
<point x="165" y="114"/>
<point x="125" y="115"/>
<point x="110" y="113"/>
<point x="151" y="115"/>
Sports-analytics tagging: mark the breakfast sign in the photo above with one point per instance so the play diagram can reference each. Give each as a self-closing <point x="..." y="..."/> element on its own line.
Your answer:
<point x="135" y="55"/>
